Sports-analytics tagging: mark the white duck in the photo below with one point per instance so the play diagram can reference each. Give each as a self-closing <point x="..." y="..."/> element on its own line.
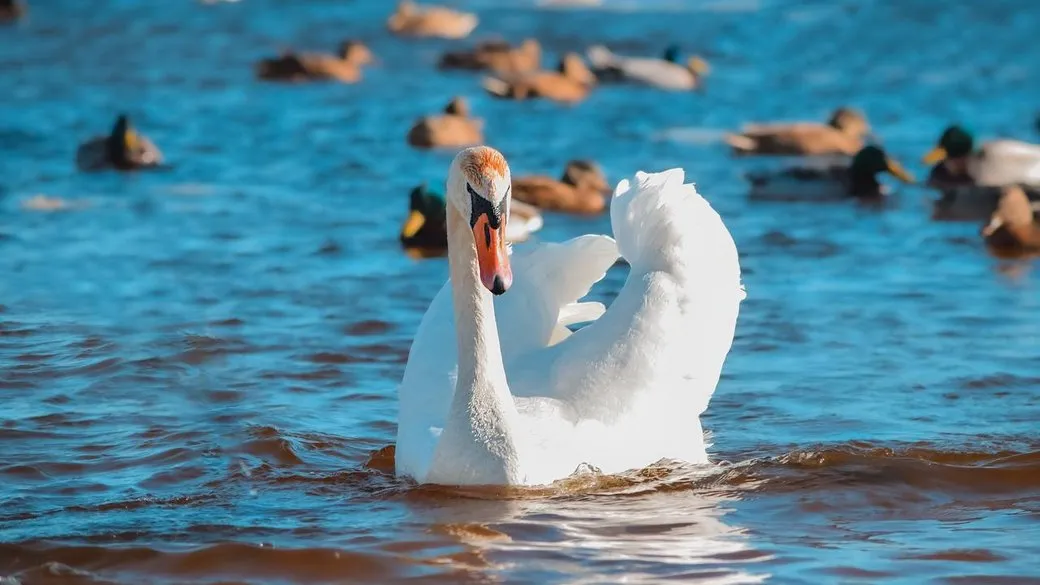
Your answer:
<point x="529" y="401"/>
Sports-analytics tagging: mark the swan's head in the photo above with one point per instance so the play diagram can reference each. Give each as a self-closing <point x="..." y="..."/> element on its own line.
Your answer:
<point x="478" y="192"/>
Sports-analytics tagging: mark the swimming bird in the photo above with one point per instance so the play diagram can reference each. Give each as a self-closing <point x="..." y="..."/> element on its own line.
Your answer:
<point x="414" y="20"/>
<point x="664" y="73"/>
<point x="570" y="83"/>
<point x="426" y="228"/>
<point x="11" y="10"/>
<point x="344" y="67"/>
<point x="844" y="133"/>
<point x="1013" y="226"/>
<point x="822" y="180"/>
<point x="453" y="128"/>
<point x="519" y="399"/>
<point x="582" y="189"/>
<point x="970" y="180"/>
<point x="123" y="149"/>
<point x="496" y="56"/>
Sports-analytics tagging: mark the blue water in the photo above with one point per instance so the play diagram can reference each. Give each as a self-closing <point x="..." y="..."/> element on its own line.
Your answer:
<point x="196" y="364"/>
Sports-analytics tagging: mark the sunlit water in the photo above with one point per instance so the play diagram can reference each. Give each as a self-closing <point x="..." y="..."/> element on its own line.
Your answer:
<point x="196" y="364"/>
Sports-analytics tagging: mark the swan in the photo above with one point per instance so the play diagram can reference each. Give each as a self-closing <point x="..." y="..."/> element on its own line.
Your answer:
<point x="519" y="399"/>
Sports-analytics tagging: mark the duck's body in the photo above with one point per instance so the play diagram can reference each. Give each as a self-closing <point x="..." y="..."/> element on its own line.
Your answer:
<point x="971" y="180"/>
<point x="535" y="404"/>
<point x="413" y="20"/>
<point x="571" y="83"/>
<point x="843" y="135"/>
<point x="666" y="73"/>
<point x="294" y="67"/>
<point x="497" y="57"/>
<point x="11" y="10"/>
<point x="830" y="179"/>
<point x="1013" y="227"/>
<point x="583" y="189"/>
<point x="124" y="149"/>
<point x="426" y="227"/>
<point x="454" y="128"/>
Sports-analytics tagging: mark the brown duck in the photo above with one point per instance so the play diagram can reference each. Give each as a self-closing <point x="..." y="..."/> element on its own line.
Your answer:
<point x="344" y="67"/>
<point x="454" y="128"/>
<point x="582" y="189"/>
<point x="1013" y="226"/>
<point x="570" y="83"/>
<point x="413" y="20"/>
<point x="496" y="56"/>
<point x="123" y="149"/>
<point x="844" y="134"/>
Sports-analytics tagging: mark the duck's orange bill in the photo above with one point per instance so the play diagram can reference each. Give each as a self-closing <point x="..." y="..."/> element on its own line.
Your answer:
<point x="413" y="224"/>
<point x="899" y="172"/>
<point x="935" y="155"/>
<point x="492" y="257"/>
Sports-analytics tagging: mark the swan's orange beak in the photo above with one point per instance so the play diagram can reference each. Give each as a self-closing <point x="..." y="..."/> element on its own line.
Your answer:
<point x="492" y="257"/>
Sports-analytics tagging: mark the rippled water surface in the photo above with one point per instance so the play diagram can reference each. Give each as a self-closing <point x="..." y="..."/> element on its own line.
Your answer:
<point x="197" y="365"/>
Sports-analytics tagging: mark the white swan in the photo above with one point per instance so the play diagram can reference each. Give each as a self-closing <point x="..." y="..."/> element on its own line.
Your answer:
<point x="535" y="404"/>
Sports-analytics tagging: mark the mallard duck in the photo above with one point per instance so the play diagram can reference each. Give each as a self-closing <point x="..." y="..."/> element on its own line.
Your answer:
<point x="570" y="83"/>
<point x="496" y="56"/>
<point x="842" y="134"/>
<point x="345" y="67"/>
<point x="11" y="10"/>
<point x="582" y="189"/>
<point x="830" y="180"/>
<point x="1013" y="226"/>
<point x="425" y="227"/>
<point x="665" y="73"/>
<point x="411" y="19"/>
<point x="970" y="180"/>
<point x="454" y="128"/>
<point x="123" y="149"/>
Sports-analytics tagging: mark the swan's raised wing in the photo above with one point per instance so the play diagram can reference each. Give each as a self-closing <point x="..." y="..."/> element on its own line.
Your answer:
<point x="657" y="352"/>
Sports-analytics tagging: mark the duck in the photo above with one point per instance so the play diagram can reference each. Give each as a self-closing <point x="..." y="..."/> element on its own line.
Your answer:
<point x="425" y="227"/>
<point x="1013" y="227"/>
<point x="582" y="189"/>
<point x="570" y="83"/>
<point x="664" y="73"/>
<point x="11" y="10"/>
<point x="455" y="128"/>
<point x="496" y="56"/>
<point x="498" y="390"/>
<point x="843" y="134"/>
<point x="414" y="20"/>
<point x="344" y="67"/>
<point x="123" y="149"/>
<point x="831" y="179"/>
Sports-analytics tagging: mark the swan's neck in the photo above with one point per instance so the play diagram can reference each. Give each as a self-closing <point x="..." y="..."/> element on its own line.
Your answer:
<point x="477" y="443"/>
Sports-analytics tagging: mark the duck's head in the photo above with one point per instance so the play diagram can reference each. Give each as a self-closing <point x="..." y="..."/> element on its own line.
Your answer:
<point x="424" y="209"/>
<point x="573" y="67"/>
<point x="123" y="142"/>
<point x="871" y="160"/>
<point x="479" y="187"/>
<point x="672" y="53"/>
<point x="954" y="143"/>
<point x="531" y="47"/>
<point x="585" y="174"/>
<point x="850" y="121"/>
<point x="355" y="52"/>
<point x="457" y="107"/>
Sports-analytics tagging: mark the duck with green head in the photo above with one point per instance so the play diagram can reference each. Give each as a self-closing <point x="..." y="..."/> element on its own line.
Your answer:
<point x="426" y="230"/>
<point x="669" y="72"/>
<point x="829" y="180"/>
<point x="124" y="149"/>
<point x="970" y="179"/>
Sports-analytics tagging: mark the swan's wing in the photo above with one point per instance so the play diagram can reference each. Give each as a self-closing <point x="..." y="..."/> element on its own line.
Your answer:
<point x="548" y="280"/>
<point x="1007" y="162"/>
<point x="658" y="350"/>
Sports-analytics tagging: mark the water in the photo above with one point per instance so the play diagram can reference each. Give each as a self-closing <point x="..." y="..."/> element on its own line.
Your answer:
<point x="198" y="364"/>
